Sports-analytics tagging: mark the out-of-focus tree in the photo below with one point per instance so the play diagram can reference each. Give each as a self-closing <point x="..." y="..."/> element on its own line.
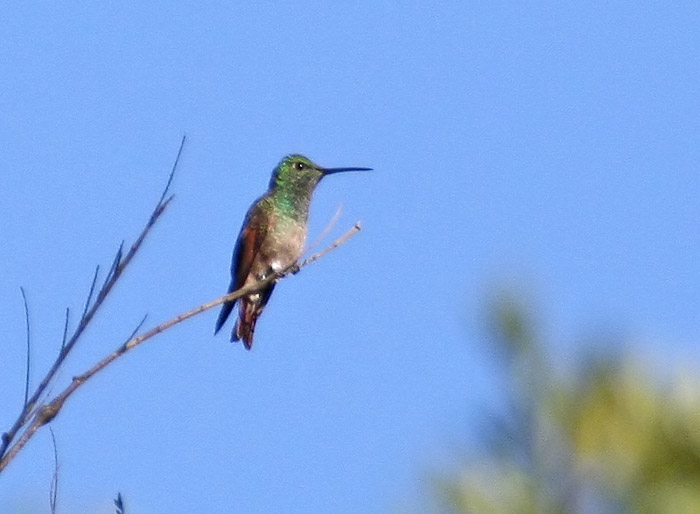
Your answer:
<point x="607" y="436"/>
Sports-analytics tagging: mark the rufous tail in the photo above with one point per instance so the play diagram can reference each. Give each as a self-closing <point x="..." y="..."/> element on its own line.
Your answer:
<point x="249" y="311"/>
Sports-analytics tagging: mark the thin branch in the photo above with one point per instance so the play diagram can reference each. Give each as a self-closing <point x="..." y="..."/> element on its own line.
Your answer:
<point x="48" y="412"/>
<point x="29" y="347"/>
<point x="326" y="230"/>
<point x="119" y="504"/>
<point x="115" y="264"/>
<point x="65" y="329"/>
<point x="341" y="240"/>
<point x="172" y="171"/>
<point x="90" y="293"/>
<point x="137" y="328"/>
<point x="53" y="493"/>
<point x="119" y="264"/>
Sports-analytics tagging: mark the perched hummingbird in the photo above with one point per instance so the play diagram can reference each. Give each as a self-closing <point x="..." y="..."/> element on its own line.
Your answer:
<point x="272" y="238"/>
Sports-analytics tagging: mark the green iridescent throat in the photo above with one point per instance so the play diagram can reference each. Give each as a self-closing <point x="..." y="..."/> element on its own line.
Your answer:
<point x="292" y="199"/>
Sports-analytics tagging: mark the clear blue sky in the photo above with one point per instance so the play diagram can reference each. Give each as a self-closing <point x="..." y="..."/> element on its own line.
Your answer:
<point x="553" y="144"/>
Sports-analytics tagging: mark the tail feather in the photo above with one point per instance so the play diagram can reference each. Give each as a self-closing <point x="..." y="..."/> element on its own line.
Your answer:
<point x="248" y="313"/>
<point x="249" y="310"/>
<point x="244" y="330"/>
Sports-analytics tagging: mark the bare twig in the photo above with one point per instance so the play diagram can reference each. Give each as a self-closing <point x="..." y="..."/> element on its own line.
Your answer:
<point x="115" y="264"/>
<point x="119" y="264"/>
<point x="90" y="293"/>
<point x="53" y="493"/>
<point x="341" y="240"/>
<point x="326" y="230"/>
<point x="119" y="504"/>
<point x="65" y="329"/>
<point x="137" y="328"/>
<point x="48" y="412"/>
<point x="29" y="347"/>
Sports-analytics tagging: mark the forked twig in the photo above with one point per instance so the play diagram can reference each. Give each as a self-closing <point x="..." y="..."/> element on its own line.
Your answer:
<point x="119" y="504"/>
<point x="119" y="264"/>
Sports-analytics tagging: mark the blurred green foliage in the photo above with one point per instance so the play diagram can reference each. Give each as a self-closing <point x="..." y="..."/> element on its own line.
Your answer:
<point x="606" y="438"/>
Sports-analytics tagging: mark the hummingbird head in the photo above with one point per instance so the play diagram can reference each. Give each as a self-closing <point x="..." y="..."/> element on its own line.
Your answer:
<point x="303" y="172"/>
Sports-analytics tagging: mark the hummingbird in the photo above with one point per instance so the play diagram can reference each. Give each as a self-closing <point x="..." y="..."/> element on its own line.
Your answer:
<point x="272" y="238"/>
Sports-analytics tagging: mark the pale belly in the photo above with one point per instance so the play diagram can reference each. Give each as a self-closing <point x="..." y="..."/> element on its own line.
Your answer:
<point x="281" y="250"/>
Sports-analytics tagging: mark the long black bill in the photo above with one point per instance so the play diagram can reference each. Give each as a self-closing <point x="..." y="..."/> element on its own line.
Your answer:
<point x="328" y="171"/>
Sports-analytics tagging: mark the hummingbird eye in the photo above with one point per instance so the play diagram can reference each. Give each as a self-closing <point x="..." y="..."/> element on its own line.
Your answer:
<point x="300" y="165"/>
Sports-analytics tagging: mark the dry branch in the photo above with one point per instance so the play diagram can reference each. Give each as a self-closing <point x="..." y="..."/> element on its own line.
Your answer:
<point x="48" y="412"/>
<point x="119" y="264"/>
<point x="36" y="414"/>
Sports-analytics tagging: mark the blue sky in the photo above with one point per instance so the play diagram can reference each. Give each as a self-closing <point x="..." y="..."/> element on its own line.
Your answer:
<point x="553" y="145"/>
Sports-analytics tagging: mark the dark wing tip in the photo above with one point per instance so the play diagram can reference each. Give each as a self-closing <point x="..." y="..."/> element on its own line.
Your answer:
<point x="223" y="316"/>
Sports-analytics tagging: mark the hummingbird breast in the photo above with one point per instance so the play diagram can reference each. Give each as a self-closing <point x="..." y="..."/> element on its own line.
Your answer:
<point x="284" y="245"/>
